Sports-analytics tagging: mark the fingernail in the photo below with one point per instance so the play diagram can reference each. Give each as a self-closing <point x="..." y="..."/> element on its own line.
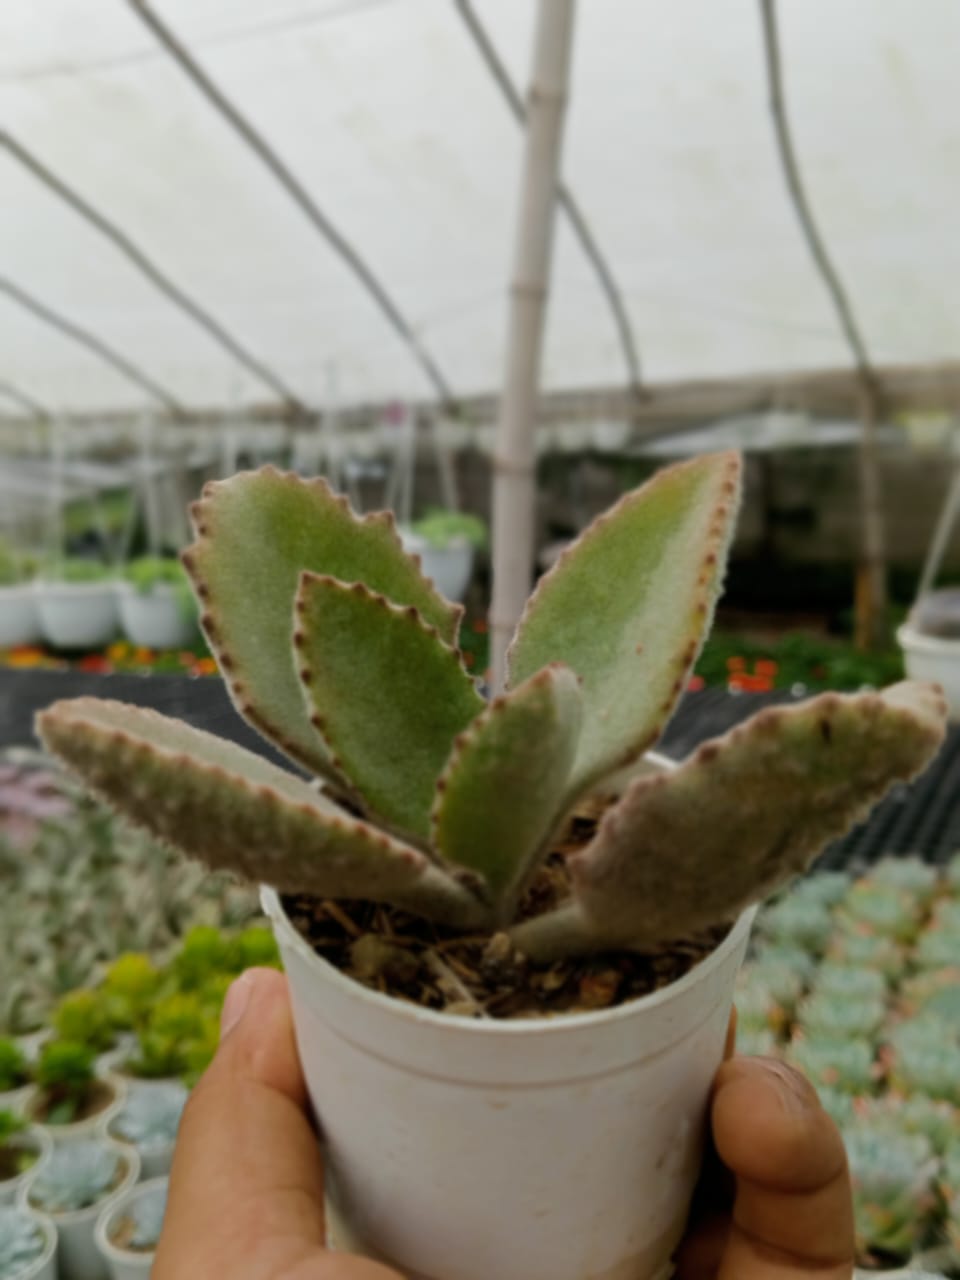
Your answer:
<point x="795" y="1094"/>
<point x="234" y="1003"/>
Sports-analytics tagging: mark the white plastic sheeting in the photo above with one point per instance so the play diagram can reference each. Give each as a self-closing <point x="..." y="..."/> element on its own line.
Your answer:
<point x="390" y="119"/>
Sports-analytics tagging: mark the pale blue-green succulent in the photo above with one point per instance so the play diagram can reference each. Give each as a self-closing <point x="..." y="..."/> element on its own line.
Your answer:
<point x="335" y="646"/>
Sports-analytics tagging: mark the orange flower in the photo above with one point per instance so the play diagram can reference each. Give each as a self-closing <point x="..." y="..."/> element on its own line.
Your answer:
<point x="765" y="667"/>
<point x="205" y="667"/>
<point x="736" y="664"/>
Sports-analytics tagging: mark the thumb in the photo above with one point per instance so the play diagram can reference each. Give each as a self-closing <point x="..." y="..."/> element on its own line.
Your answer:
<point x="246" y="1187"/>
<point x="793" y="1212"/>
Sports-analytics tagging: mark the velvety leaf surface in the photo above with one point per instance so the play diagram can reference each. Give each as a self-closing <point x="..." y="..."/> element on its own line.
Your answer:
<point x="387" y="694"/>
<point x="232" y="810"/>
<point x="627" y="608"/>
<point x="695" y="846"/>
<point x="256" y="532"/>
<point x="503" y="789"/>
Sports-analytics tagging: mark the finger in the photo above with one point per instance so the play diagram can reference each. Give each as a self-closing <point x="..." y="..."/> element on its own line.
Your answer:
<point x="792" y="1215"/>
<point x="246" y="1187"/>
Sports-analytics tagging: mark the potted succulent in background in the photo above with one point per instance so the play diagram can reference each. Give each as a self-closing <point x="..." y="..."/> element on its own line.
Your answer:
<point x="128" y="1232"/>
<point x="76" y="600"/>
<point x="930" y="640"/>
<point x="28" y="1245"/>
<point x="70" y="1098"/>
<point x="446" y="542"/>
<point x="19" y="623"/>
<point x="75" y="1185"/>
<point x="22" y="1148"/>
<point x="157" y="608"/>
<point x="149" y="1120"/>
<point x="16" y="1086"/>
<point x="468" y="868"/>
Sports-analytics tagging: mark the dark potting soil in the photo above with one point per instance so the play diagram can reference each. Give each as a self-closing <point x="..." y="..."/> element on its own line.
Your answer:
<point x="483" y="976"/>
<point x="16" y="1158"/>
<point x="49" y="1103"/>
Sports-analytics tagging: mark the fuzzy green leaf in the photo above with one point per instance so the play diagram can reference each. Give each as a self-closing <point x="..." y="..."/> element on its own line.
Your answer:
<point x="232" y="810"/>
<point x="386" y="693"/>
<point x="256" y="532"/>
<point x="691" y="848"/>
<point x="628" y="605"/>
<point x="502" y="791"/>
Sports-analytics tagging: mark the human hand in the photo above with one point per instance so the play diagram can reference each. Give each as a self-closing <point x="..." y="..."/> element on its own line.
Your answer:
<point x="246" y="1189"/>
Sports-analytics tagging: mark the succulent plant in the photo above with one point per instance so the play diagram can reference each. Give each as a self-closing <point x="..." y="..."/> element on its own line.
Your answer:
<point x="784" y="984"/>
<point x="850" y="983"/>
<point x="13" y="1066"/>
<point x="82" y="1018"/>
<point x="65" y="1077"/>
<point x="935" y="1120"/>
<point x="893" y="1194"/>
<point x="930" y="1069"/>
<point x="174" y="1024"/>
<point x="129" y="986"/>
<point x="147" y="1214"/>
<point x="826" y="887"/>
<point x="784" y="955"/>
<point x="845" y="1065"/>
<point x="936" y="949"/>
<point x="16" y="1156"/>
<point x="909" y="874"/>
<point x="756" y="1042"/>
<point x="881" y="909"/>
<point x="22" y="1242"/>
<point x="921" y="989"/>
<point x="758" y="1009"/>
<point x="336" y="647"/>
<point x="150" y="1117"/>
<point x="826" y="1015"/>
<point x="857" y="947"/>
<point x="75" y="1176"/>
<point x="946" y="916"/>
<point x="797" y="921"/>
<point x="842" y="1108"/>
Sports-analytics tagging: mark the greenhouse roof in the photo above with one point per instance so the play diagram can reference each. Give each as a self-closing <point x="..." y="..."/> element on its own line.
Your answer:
<point x="317" y="199"/>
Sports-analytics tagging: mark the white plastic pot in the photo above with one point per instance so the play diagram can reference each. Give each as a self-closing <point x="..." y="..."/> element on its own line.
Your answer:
<point x="542" y="1149"/>
<point x="155" y="1158"/>
<point x="40" y="1142"/>
<point x="43" y="1267"/>
<point x="154" y="619"/>
<point x="19" y="622"/>
<point x="77" y="615"/>
<point x="448" y="567"/>
<point x="90" y="1126"/>
<point x="17" y="1100"/>
<point x="933" y="658"/>
<point x="79" y="1257"/>
<point x="124" y="1264"/>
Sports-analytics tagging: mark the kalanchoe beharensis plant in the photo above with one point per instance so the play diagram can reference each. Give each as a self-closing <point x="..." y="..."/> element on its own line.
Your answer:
<point x="337" y="649"/>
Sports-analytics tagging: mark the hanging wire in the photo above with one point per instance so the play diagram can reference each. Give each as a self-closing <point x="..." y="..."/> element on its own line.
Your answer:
<point x="297" y="192"/>
<point x="93" y="343"/>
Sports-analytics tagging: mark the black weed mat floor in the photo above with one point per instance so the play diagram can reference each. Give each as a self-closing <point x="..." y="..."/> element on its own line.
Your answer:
<point x="923" y="818"/>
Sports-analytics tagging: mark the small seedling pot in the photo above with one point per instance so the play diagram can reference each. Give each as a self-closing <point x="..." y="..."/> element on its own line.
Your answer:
<point x="19" y="620"/>
<point x="44" y="1266"/>
<point x="126" y="1264"/>
<point x="538" y="1149"/>
<point x="154" y="619"/>
<point x="77" y="615"/>
<point x="933" y="658"/>
<point x="79" y="1257"/>
<point x="41" y="1144"/>
<point x="17" y="1100"/>
<point x="90" y="1126"/>
<point x="449" y="567"/>
<point x="155" y="1158"/>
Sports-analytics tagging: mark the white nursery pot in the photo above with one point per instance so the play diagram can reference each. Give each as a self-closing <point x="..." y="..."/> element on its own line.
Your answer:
<point x="77" y="615"/>
<point x="45" y="1266"/>
<point x="91" y="1126"/>
<point x="560" y="1148"/>
<point x="933" y="658"/>
<point x="449" y="567"/>
<point x="19" y="621"/>
<point x="40" y="1142"/>
<point x="124" y="1264"/>
<point x="17" y="1100"/>
<point x="79" y="1257"/>
<point x="154" y="619"/>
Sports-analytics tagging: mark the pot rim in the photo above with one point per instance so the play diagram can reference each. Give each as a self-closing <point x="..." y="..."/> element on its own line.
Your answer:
<point x="505" y="1028"/>
<point x="50" y="1234"/>
<point x="101" y="1232"/>
<point x="909" y="638"/>
<point x="131" y="1173"/>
